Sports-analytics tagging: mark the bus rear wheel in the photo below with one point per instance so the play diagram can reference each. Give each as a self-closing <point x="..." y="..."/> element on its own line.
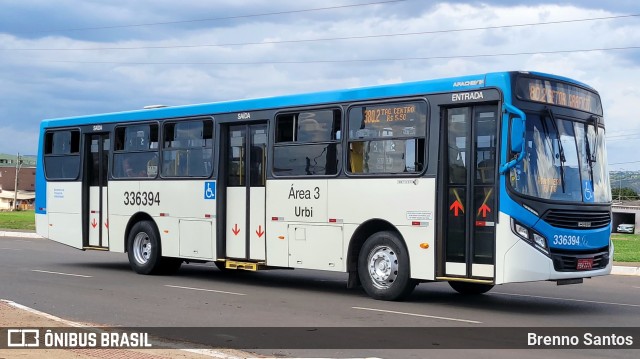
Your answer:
<point x="143" y="247"/>
<point x="383" y="267"/>
<point x="470" y="288"/>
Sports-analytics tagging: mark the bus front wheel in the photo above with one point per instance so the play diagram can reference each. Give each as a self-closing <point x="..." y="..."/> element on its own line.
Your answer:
<point x="144" y="248"/>
<point x="470" y="288"/>
<point x="383" y="267"/>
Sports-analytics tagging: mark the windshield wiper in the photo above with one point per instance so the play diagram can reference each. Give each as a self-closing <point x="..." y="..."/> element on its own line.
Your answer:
<point x="592" y="153"/>
<point x="563" y="159"/>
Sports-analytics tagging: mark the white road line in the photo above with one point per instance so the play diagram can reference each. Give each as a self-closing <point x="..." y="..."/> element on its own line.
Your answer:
<point x="203" y="290"/>
<point x="418" y="315"/>
<point x="10" y="249"/>
<point x="69" y="274"/>
<point x="566" y="299"/>
<point x="636" y="287"/>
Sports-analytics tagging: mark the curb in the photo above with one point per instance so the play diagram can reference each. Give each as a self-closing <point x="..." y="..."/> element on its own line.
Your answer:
<point x="19" y="234"/>
<point x="622" y="270"/>
<point x="615" y="270"/>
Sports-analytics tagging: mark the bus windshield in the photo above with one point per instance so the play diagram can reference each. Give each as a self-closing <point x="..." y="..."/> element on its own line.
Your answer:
<point x="565" y="160"/>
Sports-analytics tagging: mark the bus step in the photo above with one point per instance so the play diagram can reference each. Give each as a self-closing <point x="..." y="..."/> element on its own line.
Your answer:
<point x="250" y="266"/>
<point x="91" y="248"/>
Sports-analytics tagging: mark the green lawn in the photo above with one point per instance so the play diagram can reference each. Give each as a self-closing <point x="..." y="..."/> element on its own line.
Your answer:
<point x="23" y="220"/>
<point x="627" y="247"/>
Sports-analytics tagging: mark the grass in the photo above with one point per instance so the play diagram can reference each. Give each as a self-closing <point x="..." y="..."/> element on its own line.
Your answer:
<point x="22" y="220"/>
<point x="627" y="247"/>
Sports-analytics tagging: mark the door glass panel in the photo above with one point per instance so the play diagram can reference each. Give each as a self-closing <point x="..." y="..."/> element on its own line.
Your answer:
<point x="484" y="226"/>
<point x="458" y="129"/>
<point x="236" y="157"/>
<point x="484" y="179"/>
<point x="458" y="125"/>
<point x="258" y="155"/>
<point x="456" y="226"/>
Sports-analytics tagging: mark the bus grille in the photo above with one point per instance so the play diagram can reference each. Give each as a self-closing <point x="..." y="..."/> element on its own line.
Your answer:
<point x="577" y="219"/>
<point x="567" y="261"/>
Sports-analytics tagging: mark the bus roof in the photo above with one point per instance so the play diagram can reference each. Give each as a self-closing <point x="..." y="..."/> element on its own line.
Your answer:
<point x="462" y="83"/>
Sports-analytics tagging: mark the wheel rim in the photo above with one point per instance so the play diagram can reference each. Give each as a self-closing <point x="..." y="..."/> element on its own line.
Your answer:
<point x="383" y="267"/>
<point x="142" y="248"/>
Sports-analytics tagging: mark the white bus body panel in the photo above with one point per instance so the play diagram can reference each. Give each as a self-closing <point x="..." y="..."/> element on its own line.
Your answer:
<point x="257" y="228"/>
<point x="179" y="200"/>
<point x="236" y="243"/>
<point x="323" y="207"/>
<point x="518" y="261"/>
<point x="64" y="201"/>
<point x="94" y="217"/>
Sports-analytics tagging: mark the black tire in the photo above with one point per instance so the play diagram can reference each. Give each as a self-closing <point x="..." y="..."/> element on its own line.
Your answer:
<point x="383" y="267"/>
<point x="467" y="288"/>
<point x="143" y="247"/>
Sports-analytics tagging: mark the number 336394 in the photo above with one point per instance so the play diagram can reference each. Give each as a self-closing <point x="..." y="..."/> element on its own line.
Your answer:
<point x="141" y="198"/>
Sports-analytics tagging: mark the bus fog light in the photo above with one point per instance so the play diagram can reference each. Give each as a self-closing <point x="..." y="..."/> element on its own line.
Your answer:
<point x="540" y="241"/>
<point x="522" y="231"/>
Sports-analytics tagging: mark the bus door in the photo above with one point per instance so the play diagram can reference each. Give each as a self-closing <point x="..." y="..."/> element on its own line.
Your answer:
<point x="245" y="193"/>
<point x="470" y="192"/>
<point x="95" y="216"/>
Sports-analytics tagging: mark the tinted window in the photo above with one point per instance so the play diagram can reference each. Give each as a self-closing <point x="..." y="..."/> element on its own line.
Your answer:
<point x="307" y="143"/>
<point x="136" y="151"/>
<point x="387" y="138"/>
<point x="188" y="149"/>
<point x="62" y="155"/>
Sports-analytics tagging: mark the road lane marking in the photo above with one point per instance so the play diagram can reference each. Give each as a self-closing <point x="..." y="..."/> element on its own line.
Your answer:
<point x="60" y="273"/>
<point x="566" y="299"/>
<point x="203" y="290"/>
<point x="10" y="249"/>
<point x="418" y="315"/>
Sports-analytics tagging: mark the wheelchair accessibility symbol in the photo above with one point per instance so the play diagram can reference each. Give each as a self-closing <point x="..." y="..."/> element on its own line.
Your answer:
<point x="209" y="190"/>
<point x="587" y="192"/>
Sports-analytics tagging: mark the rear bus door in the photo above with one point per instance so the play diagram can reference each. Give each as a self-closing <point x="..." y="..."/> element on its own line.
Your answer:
<point x="245" y="170"/>
<point x="95" y="190"/>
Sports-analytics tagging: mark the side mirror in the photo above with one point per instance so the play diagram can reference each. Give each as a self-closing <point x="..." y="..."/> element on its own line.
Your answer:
<point x="516" y="136"/>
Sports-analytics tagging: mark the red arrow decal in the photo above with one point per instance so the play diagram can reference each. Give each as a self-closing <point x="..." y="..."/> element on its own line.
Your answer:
<point x="106" y="224"/>
<point x="484" y="209"/>
<point x="456" y="207"/>
<point x="94" y="223"/>
<point x="235" y="230"/>
<point x="259" y="232"/>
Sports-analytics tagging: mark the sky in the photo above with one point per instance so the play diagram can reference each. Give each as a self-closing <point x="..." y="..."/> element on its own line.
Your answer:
<point x="71" y="58"/>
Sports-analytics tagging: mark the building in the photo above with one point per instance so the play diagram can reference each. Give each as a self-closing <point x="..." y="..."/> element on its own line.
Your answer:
<point x="25" y="199"/>
<point x="625" y="213"/>
<point x="26" y="175"/>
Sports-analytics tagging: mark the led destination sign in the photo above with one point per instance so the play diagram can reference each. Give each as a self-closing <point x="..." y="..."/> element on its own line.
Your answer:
<point x="558" y="93"/>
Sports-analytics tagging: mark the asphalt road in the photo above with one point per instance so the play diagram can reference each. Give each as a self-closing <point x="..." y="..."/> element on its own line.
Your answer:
<point x="99" y="287"/>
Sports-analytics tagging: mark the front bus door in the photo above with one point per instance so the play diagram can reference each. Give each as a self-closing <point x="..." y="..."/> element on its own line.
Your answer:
<point x="95" y="217"/>
<point x="246" y="196"/>
<point x="470" y="192"/>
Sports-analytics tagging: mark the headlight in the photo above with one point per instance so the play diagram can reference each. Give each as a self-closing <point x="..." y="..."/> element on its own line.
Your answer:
<point x="540" y="241"/>
<point x="522" y="231"/>
<point x="530" y="236"/>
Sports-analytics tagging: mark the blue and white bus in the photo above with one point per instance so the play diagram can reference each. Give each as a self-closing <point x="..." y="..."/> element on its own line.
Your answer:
<point x="476" y="180"/>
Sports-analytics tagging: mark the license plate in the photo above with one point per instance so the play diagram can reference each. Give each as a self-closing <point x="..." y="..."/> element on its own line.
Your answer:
<point x="584" y="264"/>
